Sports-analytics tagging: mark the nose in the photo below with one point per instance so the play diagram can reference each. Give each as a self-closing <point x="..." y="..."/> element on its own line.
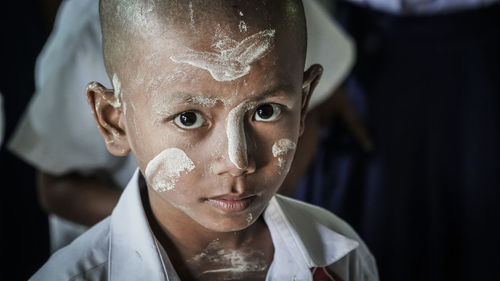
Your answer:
<point x="240" y="156"/>
<point x="237" y="148"/>
<point x="238" y="153"/>
<point x="241" y="163"/>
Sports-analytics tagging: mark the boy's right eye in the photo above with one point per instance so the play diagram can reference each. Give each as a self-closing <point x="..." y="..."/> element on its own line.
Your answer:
<point x="189" y="120"/>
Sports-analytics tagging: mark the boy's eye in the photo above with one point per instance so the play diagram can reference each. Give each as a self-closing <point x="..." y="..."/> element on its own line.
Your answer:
<point x="189" y="120"/>
<point x="267" y="112"/>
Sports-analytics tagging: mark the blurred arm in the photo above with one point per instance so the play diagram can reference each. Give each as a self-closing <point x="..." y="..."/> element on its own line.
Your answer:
<point x="81" y="199"/>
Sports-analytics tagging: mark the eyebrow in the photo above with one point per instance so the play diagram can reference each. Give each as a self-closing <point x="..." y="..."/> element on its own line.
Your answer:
<point x="211" y="101"/>
<point x="276" y="91"/>
<point x="188" y="98"/>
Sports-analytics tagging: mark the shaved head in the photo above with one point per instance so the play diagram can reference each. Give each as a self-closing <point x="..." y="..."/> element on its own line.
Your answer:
<point x="126" y="24"/>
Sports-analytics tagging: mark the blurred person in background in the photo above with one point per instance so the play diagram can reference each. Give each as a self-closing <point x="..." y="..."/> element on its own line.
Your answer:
<point x="25" y="26"/>
<point x="427" y="85"/>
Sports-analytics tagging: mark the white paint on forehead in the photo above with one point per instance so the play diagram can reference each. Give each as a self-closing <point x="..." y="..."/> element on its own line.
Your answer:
<point x="117" y="85"/>
<point x="232" y="59"/>
<point x="235" y="131"/>
<point x="165" y="169"/>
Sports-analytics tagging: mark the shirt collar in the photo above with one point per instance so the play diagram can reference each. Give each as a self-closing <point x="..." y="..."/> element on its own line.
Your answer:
<point x="133" y="253"/>
<point x="300" y="242"/>
<point x="306" y="242"/>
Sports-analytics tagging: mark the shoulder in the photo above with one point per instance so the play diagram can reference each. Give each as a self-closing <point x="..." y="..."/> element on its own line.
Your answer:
<point x="86" y="258"/>
<point x="324" y="235"/>
<point x="303" y="213"/>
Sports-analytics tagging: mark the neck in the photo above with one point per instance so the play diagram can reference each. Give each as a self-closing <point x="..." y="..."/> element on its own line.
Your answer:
<point x="197" y="252"/>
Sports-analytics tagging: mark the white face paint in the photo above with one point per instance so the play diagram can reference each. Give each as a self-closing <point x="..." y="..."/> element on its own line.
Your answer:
<point x="230" y="261"/>
<point x="249" y="218"/>
<point x="117" y="85"/>
<point x="282" y="147"/>
<point x="191" y="16"/>
<point x="165" y="169"/>
<point x="232" y="59"/>
<point x="235" y="131"/>
<point x="243" y="26"/>
<point x="207" y="101"/>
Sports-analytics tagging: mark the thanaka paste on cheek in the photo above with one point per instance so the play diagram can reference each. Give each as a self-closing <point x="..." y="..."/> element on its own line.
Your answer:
<point x="165" y="169"/>
<point x="232" y="59"/>
<point x="235" y="131"/>
<point x="283" y="147"/>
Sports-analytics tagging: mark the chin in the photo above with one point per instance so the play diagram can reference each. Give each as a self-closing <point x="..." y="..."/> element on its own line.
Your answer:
<point x="231" y="224"/>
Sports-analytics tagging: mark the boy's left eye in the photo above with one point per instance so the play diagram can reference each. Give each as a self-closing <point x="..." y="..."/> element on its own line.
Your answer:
<point x="189" y="120"/>
<point x="267" y="112"/>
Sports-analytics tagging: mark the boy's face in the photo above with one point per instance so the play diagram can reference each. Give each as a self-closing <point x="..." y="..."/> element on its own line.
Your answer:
<point x="215" y="143"/>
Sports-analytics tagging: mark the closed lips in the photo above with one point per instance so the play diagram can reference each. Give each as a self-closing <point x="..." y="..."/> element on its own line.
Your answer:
<point x="231" y="204"/>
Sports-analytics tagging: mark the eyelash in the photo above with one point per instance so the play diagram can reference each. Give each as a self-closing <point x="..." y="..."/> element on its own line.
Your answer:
<point x="176" y="119"/>
<point x="199" y="122"/>
<point x="277" y="109"/>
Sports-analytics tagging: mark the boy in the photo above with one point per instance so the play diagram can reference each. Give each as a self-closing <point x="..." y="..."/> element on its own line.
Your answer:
<point x="211" y="98"/>
<point x="79" y="182"/>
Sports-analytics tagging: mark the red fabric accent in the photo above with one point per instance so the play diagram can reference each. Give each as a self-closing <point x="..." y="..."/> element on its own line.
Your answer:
<point x="324" y="274"/>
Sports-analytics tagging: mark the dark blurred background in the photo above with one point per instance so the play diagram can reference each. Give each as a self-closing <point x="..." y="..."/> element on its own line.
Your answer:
<point x="408" y="209"/>
<point x="25" y="25"/>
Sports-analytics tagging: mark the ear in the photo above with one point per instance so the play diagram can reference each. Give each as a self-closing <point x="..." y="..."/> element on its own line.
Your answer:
<point x="311" y="79"/>
<point x="109" y="118"/>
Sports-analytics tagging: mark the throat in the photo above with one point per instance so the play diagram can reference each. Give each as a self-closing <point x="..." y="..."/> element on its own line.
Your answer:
<point x="224" y="259"/>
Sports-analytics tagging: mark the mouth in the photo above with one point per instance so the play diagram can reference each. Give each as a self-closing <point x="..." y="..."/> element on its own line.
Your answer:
<point x="230" y="204"/>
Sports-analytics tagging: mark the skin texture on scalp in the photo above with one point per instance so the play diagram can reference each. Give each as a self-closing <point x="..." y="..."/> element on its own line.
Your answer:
<point x="125" y="22"/>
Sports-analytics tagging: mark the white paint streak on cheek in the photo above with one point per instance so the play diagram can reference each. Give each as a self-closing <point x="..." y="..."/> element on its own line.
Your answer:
<point x="232" y="59"/>
<point x="235" y="131"/>
<point x="283" y="147"/>
<point x="165" y="169"/>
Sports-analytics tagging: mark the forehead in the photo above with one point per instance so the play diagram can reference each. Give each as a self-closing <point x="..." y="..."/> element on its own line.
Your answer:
<point x="180" y="62"/>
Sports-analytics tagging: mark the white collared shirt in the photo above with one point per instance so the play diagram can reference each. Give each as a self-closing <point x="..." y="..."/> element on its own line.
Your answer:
<point x="123" y="247"/>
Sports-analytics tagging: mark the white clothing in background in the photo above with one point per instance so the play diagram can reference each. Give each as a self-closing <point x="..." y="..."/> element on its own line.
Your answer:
<point x="122" y="247"/>
<point x="58" y="134"/>
<point x="423" y="6"/>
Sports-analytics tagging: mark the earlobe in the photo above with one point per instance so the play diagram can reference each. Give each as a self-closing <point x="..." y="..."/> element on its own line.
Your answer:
<point x="311" y="80"/>
<point x="109" y="118"/>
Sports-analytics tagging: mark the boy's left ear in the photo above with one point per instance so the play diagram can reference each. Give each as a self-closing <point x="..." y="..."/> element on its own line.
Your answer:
<point x="311" y="80"/>
<point x="109" y="118"/>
